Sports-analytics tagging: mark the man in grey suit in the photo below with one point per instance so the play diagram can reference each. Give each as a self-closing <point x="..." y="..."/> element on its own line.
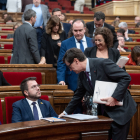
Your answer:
<point x="43" y="16"/>
<point x="25" y="49"/>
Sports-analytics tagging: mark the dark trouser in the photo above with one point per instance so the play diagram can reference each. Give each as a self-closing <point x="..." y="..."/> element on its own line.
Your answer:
<point x="119" y="132"/>
<point x="39" y="32"/>
<point x="2" y="6"/>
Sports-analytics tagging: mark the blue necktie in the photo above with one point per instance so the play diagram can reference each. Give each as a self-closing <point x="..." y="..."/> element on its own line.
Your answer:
<point x="35" y="112"/>
<point x="81" y="46"/>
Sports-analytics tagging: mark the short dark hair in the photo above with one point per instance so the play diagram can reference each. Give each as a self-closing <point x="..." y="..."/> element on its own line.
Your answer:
<point x="137" y="25"/>
<point x="73" y="53"/>
<point x="107" y="35"/>
<point x="78" y="20"/>
<point x="24" y="85"/>
<point x="4" y="13"/>
<point x="120" y="30"/>
<point x="118" y="17"/>
<point x="135" y="53"/>
<point x="99" y="15"/>
<point x="29" y="14"/>
<point x="55" y="10"/>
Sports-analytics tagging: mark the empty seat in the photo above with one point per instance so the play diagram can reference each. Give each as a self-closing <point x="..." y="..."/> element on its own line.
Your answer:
<point x="10" y="100"/>
<point x="3" y="36"/>
<point x="20" y="76"/>
<point x="2" y="61"/>
<point x="1" y="113"/>
<point x="9" y="59"/>
<point x="7" y="29"/>
<point x="135" y="78"/>
<point x="8" y="46"/>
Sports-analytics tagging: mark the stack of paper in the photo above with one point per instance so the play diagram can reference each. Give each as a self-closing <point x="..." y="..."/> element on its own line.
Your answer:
<point x="104" y="90"/>
<point x="53" y="119"/>
<point x="122" y="61"/>
<point x="81" y="117"/>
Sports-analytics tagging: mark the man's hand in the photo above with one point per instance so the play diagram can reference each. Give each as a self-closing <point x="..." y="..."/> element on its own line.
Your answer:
<point x="110" y="101"/>
<point x="42" y="61"/>
<point x="62" y="83"/>
<point x="61" y="115"/>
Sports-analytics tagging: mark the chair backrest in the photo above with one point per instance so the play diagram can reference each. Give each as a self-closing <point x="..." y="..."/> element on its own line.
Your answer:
<point x="2" y="61"/>
<point x="20" y="76"/>
<point x="9" y="102"/>
<point x="8" y="46"/>
<point x="1" y="113"/>
<point x="135" y="78"/>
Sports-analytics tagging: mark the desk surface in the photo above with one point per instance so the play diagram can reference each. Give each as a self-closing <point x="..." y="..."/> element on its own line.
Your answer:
<point x="44" y="129"/>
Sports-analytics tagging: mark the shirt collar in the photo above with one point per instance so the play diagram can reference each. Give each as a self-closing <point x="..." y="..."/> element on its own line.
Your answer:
<point x="30" y="102"/>
<point x="35" y="6"/>
<point x="95" y="26"/>
<point x="83" y="39"/>
<point x="87" y="66"/>
<point x="28" y="22"/>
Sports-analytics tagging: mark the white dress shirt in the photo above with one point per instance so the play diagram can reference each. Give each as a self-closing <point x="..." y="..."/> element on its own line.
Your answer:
<point x="84" y="42"/>
<point x="37" y="106"/>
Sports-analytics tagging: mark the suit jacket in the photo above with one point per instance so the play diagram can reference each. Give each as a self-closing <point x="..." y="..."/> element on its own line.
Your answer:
<point x="22" y="110"/>
<point x="3" y="81"/>
<point x="63" y="72"/>
<point x="90" y="26"/>
<point x="113" y="54"/>
<point x="26" y="2"/>
<point x="66" y="27"/>
<point x="45" y="12"/>
<point x="131" y="31"/>
<point x="47" y="48"/>
<point x="25" y="48"/>
<point x="106" y="70"/>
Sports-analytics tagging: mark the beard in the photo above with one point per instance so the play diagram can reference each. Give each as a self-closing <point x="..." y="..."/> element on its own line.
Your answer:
<point x="35" y="96"/>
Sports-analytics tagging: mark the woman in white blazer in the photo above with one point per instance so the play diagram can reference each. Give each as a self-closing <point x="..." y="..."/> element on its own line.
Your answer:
<point x="13" y="5"/>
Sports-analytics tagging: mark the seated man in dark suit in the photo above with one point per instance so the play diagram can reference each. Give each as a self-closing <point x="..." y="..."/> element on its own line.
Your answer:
<point x="93" y="69"/>
<point x="65" y="26"/>
<point x="99" y="21"/>
<point x="124" y="26"/>
<point x="31" y="107"/>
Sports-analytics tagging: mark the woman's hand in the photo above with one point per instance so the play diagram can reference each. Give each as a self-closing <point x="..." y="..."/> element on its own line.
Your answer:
<point x="59" y="44"/>
<point x="42" y="61"/>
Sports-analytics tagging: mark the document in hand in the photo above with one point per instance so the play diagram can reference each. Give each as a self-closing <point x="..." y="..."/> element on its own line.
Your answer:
<point x="104" y="90"/>
<point x="53" y="119"/>
<point x="122" y="61"/>
<point x="81" y="117"/>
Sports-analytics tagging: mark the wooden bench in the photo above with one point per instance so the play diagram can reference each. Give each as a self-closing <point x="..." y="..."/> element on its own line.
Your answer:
<point x="48" y="69"/>
<point x="131" y="44"/>
<point x="125" y="53"/>
<point x="132" y="69"/>
<point x="59" y="96"/>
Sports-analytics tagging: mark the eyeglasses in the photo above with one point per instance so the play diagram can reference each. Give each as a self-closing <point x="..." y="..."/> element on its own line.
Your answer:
<point x="35" y="86"/>
<point x="69" y="65"/>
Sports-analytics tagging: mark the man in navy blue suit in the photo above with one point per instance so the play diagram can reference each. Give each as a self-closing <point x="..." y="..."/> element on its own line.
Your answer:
<point x="78" y="40"/>
<point x="65" y="26"/>
<point x="31" y="107"/>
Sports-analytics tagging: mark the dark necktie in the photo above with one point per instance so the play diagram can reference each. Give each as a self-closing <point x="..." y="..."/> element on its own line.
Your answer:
<point x="89" y="81"/>
<point x="35" y="112"/>
<point x="81" y="45"/>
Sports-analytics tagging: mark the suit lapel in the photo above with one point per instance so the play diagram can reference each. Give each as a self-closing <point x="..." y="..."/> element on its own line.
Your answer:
<point x="73" y="43"/>
<point x="28" y="109"/>
<point x="42" y="107"/>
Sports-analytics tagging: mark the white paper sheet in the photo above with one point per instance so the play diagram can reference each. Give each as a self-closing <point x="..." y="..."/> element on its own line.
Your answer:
<point x="81" y="116"/>
<point x="104" y="90"/>
<point x="122" y="61"/>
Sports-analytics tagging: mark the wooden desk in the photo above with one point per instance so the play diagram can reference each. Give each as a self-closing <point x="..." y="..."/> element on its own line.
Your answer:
<point x="125" y="53"/>
<point x="44" y="130"/>
<point x="48" y="69"/>
<point x="132" y="69"/>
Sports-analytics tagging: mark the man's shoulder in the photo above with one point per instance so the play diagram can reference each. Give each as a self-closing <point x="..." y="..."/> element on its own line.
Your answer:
<point x="29" y="5"/>
<point x="68" y="40"/>
<point x="66" y="24"/>
<point x="108" y="26"/>
<point x="19" y="102"/>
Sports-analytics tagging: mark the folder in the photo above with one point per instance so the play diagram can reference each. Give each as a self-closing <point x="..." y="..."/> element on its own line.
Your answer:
<point x="104" y="90"/>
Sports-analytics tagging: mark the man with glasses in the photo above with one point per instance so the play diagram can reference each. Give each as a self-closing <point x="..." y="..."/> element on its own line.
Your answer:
<point x="31" y="107"/>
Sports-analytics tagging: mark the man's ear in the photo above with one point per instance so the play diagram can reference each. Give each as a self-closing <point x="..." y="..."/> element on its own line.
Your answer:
<point x="76" y="60"/>
<point x="26" y="92"/>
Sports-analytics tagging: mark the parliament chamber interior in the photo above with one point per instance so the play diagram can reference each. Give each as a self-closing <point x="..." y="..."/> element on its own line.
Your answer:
<point x="46" y="73"/>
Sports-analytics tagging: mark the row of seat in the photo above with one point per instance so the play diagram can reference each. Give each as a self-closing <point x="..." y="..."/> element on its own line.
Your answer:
<point x="8" y="103"/>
